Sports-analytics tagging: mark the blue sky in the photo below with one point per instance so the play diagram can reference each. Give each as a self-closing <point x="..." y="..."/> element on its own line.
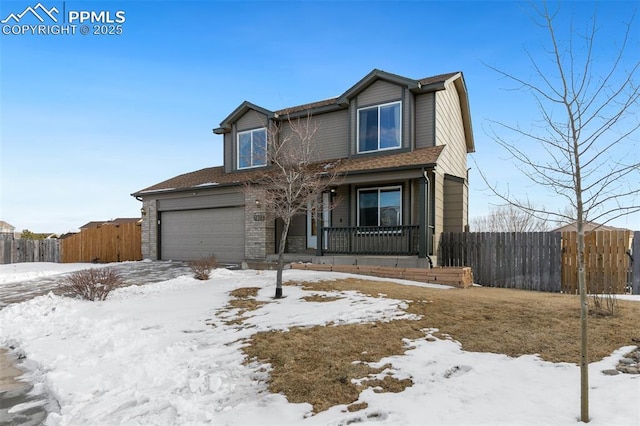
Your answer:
<point x="86" y="120"/>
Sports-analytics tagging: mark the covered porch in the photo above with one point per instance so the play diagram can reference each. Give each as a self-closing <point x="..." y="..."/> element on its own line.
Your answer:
<point x="390" y="213"/>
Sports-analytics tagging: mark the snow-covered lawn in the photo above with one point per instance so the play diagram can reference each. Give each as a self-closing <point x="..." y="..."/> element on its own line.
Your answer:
<point x="165" y="354"/>
<point x="15" y="272"/>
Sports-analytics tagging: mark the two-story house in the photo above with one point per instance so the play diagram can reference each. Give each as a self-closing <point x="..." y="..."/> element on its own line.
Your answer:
<point x="400" y="145"/>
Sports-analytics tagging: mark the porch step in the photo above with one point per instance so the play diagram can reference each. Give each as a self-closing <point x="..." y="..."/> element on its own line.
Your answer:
<point x="291" y="257"/>
<point x="461" y="277"/>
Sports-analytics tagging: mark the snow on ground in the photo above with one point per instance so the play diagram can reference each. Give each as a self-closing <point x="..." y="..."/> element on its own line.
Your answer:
<point x="15" y="272"/>
<point x="161" y="354"/>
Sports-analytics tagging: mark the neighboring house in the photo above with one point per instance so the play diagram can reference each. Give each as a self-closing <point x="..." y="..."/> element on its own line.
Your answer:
<point x="400" y="146"/>
<point x="117" y="221"/>
<point x="6" y="230"/>
<point x="588" y="227"/>
<point x="67" y="235"/>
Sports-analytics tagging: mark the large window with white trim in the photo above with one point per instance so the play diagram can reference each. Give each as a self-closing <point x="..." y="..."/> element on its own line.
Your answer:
<point x="380" y="127"/>
<point x="252" y="148"/>
<point x="380" y="206"/>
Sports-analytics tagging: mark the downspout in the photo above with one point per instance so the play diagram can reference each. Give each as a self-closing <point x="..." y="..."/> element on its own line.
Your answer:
<point x="426" y="213"/>
<point x="467" y="227"/>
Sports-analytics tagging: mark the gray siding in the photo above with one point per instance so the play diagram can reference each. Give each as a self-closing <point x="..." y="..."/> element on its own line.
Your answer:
<point x="353" y="124"/>
<point x="333" y="135"/>
<point x="455" y="205"/>
<point x="340" y="213"/>
<point x="331" y="140"/>
<point x="450" y="132"/>
<point x="229" y="157"/>
<point x="378" y="93"/>
<point x="425" y="120"/>
<point x="408" y="131"/>
<point x="226" y="198"/>
<point x="251" y="120"/>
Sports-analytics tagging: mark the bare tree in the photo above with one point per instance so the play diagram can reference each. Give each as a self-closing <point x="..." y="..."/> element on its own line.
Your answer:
<point x="294" y="181"/>
<point x="582" y="149"/>
<point x="509" y="218"/>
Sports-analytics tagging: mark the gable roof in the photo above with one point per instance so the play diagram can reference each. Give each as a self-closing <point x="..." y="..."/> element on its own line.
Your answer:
<point x="216" y="176"/>
<point x="372" y="77"/>
<point x="242" y="109"/>
<point x="423" y="85"/>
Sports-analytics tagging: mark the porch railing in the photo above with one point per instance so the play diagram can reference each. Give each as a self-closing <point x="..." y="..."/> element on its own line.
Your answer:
<point x="373" y="240"/>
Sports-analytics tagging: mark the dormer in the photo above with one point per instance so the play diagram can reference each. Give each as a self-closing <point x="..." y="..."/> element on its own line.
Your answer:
<point x="245" y="137"/>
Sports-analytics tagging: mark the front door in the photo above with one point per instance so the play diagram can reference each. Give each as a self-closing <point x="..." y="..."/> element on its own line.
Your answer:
<point x="312" y="231"/>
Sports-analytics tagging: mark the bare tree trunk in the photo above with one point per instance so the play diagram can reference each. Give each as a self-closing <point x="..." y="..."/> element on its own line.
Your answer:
<point x="584" y="314"/>
<point x="582" y="281"/>
<point x="283" y="243"/>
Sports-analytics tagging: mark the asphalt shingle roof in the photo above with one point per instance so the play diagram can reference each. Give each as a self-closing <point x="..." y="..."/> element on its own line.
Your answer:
<point x="440" y="78"/>
<point x="212" y="176"/>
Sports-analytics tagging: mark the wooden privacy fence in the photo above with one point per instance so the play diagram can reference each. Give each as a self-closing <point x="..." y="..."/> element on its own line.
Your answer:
<point x="544" y="261"/>
<point x="104" y="244"/>
<point x="606" y="261"/>
<point x="22" y="250"/>
<point x="528" y="261"/>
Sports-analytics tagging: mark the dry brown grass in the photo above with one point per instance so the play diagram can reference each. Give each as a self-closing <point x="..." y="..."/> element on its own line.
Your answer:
<point x="317" y="364"/>
<point x="243" y="300"/>
<point x="512" y="322"/>
<point x="321" y="298"/>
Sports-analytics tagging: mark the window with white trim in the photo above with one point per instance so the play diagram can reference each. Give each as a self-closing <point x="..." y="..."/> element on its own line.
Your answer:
<point x="380" y="127"/>
<point x="252" y="148"/>
<point x="380" y="206"/>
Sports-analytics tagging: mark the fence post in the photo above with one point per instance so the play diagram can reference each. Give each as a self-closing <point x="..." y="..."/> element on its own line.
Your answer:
<point x="635" y="272"/>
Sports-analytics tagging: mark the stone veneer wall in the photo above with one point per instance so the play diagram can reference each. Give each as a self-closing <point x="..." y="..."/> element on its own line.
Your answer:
<point x="259" y="234"/>
<point x="150" y="230"/>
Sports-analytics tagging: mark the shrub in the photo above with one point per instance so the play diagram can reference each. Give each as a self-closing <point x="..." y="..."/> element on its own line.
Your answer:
<point x="92" y="284"/>
<point x="604" y="304"/>
<point x="202" y="267"/>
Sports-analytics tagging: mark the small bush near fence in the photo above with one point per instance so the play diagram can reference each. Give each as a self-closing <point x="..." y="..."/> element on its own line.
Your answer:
<point x="202" y="268"/>
<point x="603" y="304"/>
<point x="91" y="284"/>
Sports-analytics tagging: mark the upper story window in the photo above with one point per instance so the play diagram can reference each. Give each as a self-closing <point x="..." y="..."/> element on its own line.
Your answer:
<point x="252" y="148"/>
<point x="379" y="127"/>
<point x="380" y="206"/>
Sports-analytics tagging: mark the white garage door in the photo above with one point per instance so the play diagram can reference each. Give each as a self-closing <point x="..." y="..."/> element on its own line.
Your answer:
<point x="194" y="234"/>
